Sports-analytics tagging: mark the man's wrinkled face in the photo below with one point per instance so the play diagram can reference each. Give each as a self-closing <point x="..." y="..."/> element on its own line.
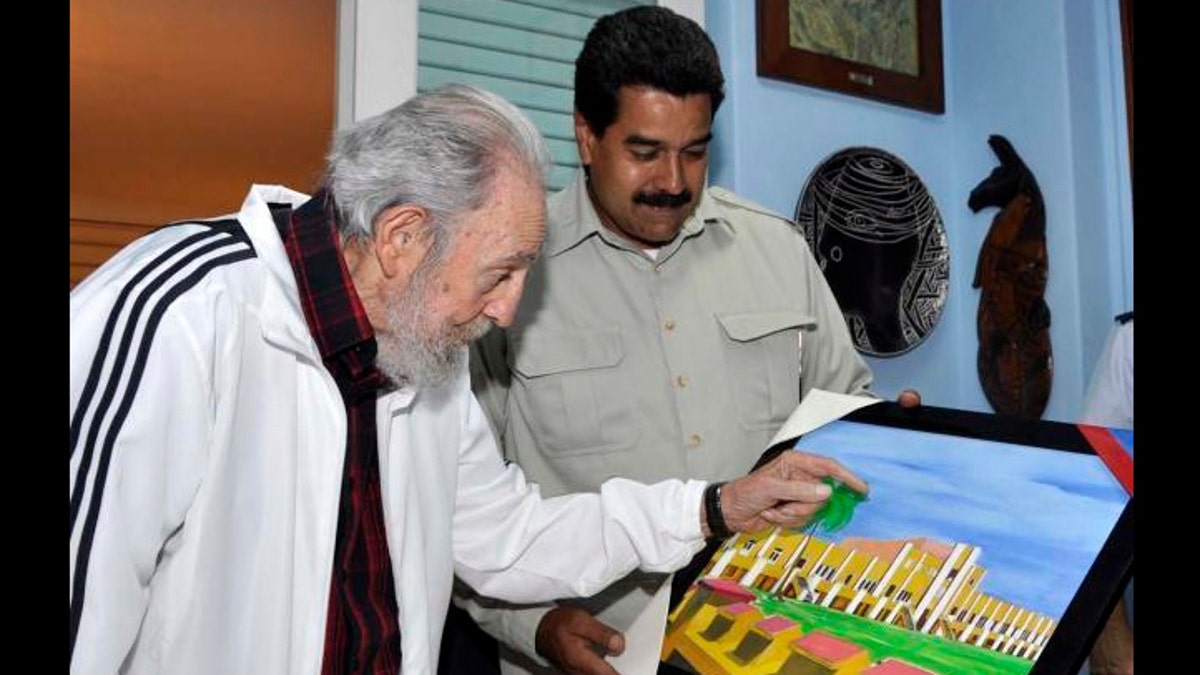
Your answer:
<point x="446" y="304"/>
<point x="647" y="169"/>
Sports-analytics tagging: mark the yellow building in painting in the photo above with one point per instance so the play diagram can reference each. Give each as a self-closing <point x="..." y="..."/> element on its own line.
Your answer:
<point x="920" y="584"/>
<point x="716" y="631"/>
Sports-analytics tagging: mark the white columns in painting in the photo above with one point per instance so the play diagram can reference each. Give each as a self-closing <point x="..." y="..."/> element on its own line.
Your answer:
<point x="760" y="560"/>
<point x="731" y="546"/>
<point x="815" y="576"/>
<point x="863" y="581"/>
<point x="790" y="573"/>
<point x="988" y="625"/>
<point x="971" y="553"/>
<point x="1003" y="620"/>
<point x="1043" y="634"/>
<point x="971" y="617"/>
<point x="836" y="586"/>
<point x="887" y="577"/>
<point x="898" y="604"/>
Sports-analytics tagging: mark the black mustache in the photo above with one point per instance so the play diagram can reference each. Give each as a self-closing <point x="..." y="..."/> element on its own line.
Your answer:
<point x="663" y="198"/>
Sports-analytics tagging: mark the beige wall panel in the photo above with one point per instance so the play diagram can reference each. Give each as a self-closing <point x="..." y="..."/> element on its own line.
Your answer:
<point x="177" y="107"/>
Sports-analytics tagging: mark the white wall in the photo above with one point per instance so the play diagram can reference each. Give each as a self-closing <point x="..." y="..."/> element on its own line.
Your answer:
<point x="377" y="57"/>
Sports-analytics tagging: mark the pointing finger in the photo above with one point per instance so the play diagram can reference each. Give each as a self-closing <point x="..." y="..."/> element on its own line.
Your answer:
<point x="827" y="466"/>
<point x="803" y="491"/>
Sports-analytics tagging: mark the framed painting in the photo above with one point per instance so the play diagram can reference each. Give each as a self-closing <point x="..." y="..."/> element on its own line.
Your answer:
<point x="986" y="546"/>
<point x="887" y="50"/>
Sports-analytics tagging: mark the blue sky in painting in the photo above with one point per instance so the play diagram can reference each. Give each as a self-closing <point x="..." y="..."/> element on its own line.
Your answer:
<point x="1040" y="516"/>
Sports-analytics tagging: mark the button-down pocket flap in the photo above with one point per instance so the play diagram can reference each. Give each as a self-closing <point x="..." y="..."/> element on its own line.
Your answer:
<point x="747" y="326"/>
<point x="550" y="352"/>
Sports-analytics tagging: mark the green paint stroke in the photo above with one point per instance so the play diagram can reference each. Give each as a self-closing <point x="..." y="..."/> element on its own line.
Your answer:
<point x="839" y="510"/>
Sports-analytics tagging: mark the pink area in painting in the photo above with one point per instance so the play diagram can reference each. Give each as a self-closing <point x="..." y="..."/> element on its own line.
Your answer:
<point x="890" y="548"/>
<point x="728" y="588"/>
<point x="827" y="647"/>
<point x="737" y="608"/>
<point x="775" y="624"/>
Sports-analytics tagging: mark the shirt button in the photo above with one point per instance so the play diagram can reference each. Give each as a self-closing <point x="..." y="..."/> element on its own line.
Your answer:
<point x="694" y="441"/>
<point x="681" y="381"/>
<point x="669" y="324"/>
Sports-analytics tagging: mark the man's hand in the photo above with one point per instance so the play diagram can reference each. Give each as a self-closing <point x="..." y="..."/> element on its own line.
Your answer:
<point x="1113" y="652"/>
<point x="576" y="642"/>
<point x="786" y="492"/>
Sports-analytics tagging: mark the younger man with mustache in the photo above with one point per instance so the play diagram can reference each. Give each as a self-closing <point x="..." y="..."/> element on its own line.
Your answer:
<point x="668" y="330"/>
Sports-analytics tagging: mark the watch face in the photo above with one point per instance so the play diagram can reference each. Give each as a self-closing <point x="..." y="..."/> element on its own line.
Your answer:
<point x="879" y="240"/>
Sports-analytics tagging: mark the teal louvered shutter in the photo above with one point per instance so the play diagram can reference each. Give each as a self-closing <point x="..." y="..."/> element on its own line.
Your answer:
<point x="523" y="50"/>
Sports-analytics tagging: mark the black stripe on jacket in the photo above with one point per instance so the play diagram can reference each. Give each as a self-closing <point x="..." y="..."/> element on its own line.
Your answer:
<point x="222" y="243"/>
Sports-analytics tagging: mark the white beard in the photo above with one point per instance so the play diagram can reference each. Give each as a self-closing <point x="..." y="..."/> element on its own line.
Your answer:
<point x="420" y="348"/>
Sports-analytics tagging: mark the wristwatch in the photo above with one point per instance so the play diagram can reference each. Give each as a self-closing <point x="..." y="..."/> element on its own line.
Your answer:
<point x="713" y="513"/>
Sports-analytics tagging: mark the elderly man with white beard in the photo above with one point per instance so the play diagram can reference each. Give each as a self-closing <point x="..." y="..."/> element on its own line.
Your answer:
<point x="277" y="465"/>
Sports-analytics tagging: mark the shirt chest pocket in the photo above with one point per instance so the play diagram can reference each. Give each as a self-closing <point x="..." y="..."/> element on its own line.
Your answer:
<point x="762" y="359"/>
<point x="568" y="390"/>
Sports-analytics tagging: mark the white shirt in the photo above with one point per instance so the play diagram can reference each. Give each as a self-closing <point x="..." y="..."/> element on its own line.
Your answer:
<point x="1109" y="398"/>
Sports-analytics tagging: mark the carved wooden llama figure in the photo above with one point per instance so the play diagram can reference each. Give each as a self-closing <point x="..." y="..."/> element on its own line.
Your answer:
<point x="1015" y="361"/>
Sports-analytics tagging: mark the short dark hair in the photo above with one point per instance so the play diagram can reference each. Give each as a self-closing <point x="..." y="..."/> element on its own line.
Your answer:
<point x="646" y="45"/>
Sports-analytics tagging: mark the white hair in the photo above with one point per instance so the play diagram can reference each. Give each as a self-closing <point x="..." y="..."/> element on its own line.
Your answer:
<point x="440" y="149"/>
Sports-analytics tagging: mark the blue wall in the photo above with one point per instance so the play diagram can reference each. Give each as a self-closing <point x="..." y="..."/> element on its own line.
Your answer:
<point x="1046" y="75"/>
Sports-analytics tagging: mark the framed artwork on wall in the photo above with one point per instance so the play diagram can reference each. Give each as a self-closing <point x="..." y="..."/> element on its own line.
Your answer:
<point x="886" y="50"/>
<point x="987" y="545"/>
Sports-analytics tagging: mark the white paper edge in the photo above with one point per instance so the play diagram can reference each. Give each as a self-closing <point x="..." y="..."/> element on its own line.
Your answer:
<point x="818" y="408"/>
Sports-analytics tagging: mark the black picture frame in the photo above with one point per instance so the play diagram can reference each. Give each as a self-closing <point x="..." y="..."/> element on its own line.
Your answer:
<point x="1105" y="579"/>
<point x="779" y="59"/>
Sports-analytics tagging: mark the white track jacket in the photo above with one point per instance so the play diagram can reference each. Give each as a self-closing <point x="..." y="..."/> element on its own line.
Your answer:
<point x="207" y="443"/>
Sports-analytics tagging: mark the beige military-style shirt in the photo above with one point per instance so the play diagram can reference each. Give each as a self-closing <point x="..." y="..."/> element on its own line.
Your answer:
<point x="678" y="365"/>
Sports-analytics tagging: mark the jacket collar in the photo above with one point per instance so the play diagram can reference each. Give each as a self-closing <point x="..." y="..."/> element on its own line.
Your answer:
<point x="284" y="324"/>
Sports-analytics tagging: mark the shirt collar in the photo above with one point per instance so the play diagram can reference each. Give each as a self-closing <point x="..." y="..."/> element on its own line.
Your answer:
<point x="335" y="314"/>
<point x="573" y="218"/>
